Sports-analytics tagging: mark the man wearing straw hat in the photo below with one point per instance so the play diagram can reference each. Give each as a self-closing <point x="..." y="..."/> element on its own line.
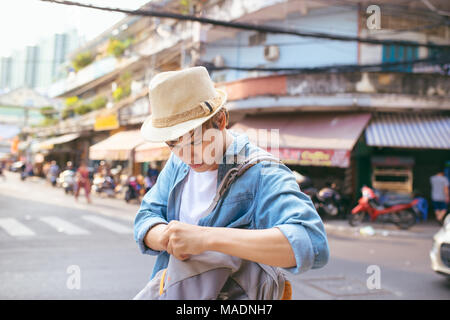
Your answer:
<point x="263" y="217"/>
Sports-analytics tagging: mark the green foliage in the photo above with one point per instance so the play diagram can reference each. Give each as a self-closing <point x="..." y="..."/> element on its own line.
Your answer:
<point x="67" y="112"/>
<point x="117" y="47"/>
<point x="46" y="122"/>
<point x="82" y="108"/>
<point x="185" y="6"/>
<point x="48" y="112"/>
<point x="82" y="60"/>
<point x="123" y="88"/>
<point x="74" y="105"/>
<point x="121" y="92"/>
<point x="99" y="102"/>
<point x="71" y="101"/>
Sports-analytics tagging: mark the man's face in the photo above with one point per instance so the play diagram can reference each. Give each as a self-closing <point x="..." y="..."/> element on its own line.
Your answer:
<point x="201" y="148"/>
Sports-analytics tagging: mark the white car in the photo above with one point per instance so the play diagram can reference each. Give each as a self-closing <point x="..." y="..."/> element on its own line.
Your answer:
<point x="440" y="253"/>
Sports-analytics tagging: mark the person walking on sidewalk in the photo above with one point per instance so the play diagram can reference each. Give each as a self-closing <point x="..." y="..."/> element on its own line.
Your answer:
<point x="83" y="181"/>
<point x="264" y="217"/>
<point x="440" y="195"/>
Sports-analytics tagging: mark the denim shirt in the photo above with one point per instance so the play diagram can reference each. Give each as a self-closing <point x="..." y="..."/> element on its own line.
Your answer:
<point x="265" y="196"/>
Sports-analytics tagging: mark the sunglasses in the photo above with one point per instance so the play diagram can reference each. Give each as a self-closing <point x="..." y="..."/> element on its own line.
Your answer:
<point x="194" y="140"/>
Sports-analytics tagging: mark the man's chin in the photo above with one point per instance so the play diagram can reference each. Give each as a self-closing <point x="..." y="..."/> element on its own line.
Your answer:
<point x="197" y="167"/>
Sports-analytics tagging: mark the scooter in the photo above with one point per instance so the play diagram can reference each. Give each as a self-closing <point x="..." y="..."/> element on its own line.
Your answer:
<point x="132" y="190"/>
<point x="67" y="181"/>
<point x="401" y="213"/>
<point x="327" y="202"/>
<point x="104" y="185"/>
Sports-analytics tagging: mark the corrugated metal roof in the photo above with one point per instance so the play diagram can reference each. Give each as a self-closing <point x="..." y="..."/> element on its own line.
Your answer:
<point x="420" y="131"/>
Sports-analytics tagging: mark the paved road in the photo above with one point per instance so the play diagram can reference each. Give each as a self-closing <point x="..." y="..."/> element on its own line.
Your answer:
<point x="44" y="232"/>
<point x="47" y="239"/>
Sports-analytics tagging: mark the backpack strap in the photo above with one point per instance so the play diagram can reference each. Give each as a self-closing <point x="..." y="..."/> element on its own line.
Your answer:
<point x="236" y="172"/>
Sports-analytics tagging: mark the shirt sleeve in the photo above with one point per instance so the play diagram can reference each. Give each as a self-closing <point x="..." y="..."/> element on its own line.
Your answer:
<point x="153" y="209"/>
<point x="281" y="204"/>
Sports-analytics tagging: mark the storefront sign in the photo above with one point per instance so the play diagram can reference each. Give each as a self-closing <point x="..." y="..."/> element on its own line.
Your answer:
<point x="315" y="157"/>
<point x="106" y="122"/>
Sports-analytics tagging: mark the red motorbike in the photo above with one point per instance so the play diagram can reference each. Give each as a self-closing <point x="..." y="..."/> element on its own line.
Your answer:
<point x="401" y="213"/>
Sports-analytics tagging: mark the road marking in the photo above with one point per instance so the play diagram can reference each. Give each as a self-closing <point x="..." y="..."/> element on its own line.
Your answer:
<point x="108" y="224"/>
<point x="63" y="226"/>
<point x="15" y="228"/>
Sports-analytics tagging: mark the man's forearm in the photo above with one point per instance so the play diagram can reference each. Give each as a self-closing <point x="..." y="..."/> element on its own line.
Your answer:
<point x="268" y="246"/>
<point x="154" y="236"/>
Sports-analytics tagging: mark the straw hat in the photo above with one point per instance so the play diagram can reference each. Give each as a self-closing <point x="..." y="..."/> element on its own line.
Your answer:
<point x="180" y="101"/>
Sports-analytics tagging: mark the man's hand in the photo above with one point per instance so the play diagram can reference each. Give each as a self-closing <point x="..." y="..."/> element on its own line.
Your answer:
<point x="184" y="239"/>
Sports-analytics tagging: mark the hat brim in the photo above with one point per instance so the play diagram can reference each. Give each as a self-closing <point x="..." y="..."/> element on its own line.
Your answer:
<point x="152" y="134"/>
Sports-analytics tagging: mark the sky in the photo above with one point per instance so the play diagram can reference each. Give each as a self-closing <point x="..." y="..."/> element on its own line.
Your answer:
<point x="25" y="22"/>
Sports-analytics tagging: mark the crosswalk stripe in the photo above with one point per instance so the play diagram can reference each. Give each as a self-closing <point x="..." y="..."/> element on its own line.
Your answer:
<point x="63" y="226"/>
<point x="15" y="228"/>
<point x="108" y="224"/>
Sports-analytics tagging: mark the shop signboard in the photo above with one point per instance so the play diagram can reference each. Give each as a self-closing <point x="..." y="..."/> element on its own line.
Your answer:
<point x="314" y="157"/>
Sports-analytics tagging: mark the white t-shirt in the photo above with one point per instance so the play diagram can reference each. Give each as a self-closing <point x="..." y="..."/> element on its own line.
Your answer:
<point x="197" y="195"/>
<point x="438" y="184"/>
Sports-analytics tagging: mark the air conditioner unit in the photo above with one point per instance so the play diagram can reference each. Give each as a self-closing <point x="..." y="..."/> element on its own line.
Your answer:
<point x="271" y="53"/>
<point x="218" y="61"/>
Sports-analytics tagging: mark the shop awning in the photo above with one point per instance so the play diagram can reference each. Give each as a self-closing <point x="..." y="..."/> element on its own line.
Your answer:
<point x="418" y="131"/>
<point x="50" y="143"/>
<point x="152" y="151"/>
<point x="310" y="139"/>
<point x="117" y="146"/>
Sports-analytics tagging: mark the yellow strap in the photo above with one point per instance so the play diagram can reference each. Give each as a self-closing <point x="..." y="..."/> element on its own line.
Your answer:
<point x="287" y="294"/>
<point x="161" y="284"/>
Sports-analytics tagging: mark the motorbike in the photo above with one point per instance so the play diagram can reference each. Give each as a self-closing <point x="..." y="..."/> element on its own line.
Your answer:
<point x="104" y="185"/>
<point x="402" y="213"/>
<point x="133" y="189"/>
<point x="66" y="180"/>
<point x="327" y="201"/>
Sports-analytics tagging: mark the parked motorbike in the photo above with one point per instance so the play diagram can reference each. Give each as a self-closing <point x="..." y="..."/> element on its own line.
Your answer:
<point x="133" y="189"/>
<point x="327" y="202"/>
<point x="402" y="213"/>
<point x="104" y="185"/>
<point x="66" y="180"/>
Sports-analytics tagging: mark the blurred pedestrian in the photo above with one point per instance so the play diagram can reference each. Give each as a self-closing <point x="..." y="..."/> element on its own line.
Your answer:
<point x="439" y="195"/>
<point x="152" y="174"/>
<point x="2" y="166"/>
<point x="83" y="181"/>
<point x="53" y="172"/>
<point x="23" y="171"/>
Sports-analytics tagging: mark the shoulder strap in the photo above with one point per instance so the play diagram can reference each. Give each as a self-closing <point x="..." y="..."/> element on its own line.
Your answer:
<point x="236" y="172"/>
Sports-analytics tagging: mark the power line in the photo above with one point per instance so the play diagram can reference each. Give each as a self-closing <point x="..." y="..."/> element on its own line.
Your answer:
<point x="336" y="68"/>
<point x="252" y="27"/>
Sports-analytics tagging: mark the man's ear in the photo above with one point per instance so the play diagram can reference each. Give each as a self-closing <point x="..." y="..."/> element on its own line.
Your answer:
<point x="221" y="124"/>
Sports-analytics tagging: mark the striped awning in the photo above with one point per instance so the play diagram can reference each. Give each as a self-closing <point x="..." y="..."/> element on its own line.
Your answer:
<point x="418" y="131"/>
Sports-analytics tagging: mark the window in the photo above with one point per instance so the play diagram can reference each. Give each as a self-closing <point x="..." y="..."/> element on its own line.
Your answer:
<point x="396" y="53"/>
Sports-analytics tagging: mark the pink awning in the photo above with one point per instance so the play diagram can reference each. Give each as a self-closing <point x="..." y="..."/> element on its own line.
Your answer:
<point x="322" y="139"/>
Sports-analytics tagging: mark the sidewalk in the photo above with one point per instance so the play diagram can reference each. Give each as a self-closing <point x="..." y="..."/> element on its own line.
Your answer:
<point x="425" y="229"/>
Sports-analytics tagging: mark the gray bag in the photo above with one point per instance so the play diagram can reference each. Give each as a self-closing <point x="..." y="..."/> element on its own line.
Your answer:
<point x="214" y="275"/>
